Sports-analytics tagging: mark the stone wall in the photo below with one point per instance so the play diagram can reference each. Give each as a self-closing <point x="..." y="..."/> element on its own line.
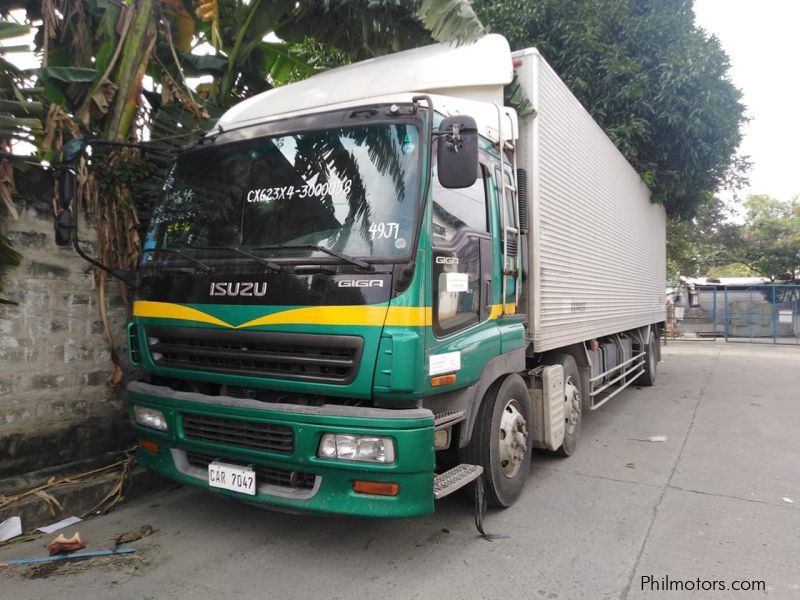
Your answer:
<point x="56" y="404"/>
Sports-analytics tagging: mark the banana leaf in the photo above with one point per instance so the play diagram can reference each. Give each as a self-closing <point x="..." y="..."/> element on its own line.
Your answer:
<point x="12" y="30"/>
<point x="17" y="108"/>
<point x="206" y="64"/>
<point x="66" y="74"/>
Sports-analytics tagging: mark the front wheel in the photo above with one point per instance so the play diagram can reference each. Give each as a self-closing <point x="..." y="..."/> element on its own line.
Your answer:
<point x="500" y="442"/>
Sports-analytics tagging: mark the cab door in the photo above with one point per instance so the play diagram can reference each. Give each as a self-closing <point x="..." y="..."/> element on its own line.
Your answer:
<point x="463" y="337"/>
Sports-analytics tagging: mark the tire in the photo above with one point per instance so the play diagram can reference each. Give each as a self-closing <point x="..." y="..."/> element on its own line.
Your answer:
<point x="573" y="405"/>
<point x="501" y="443"/>
<point x="648" y="378"/>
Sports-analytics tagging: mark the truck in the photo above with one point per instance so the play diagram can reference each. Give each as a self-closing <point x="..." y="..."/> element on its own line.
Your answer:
<point x="366" y="290"/>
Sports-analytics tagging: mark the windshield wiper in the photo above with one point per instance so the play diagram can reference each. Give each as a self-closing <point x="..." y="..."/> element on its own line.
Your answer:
<point x="272" y="266"/>
<point x="200" y="264"/>
<point x="362" y="264"/>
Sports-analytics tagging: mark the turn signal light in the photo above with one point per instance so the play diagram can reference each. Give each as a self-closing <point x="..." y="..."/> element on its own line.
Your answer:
<point x="443" y="380"/>
<point x="148" y="445"/>
<point x="376" y="488"/>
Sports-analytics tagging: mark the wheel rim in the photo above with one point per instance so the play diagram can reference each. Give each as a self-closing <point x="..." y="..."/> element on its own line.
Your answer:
<point x="572" y="406"/>
<point x="513" y="439"/>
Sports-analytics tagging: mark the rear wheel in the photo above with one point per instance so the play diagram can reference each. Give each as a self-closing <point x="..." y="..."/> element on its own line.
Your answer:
<point x="573" y="405"/>
<point x="500" y="441"/>
<point x="648" y="378"/>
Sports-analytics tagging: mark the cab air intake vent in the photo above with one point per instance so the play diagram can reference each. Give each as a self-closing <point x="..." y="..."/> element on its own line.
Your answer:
<point x="134" y="351"/>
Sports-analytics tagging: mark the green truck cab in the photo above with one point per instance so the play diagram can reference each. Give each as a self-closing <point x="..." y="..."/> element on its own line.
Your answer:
<point x="333" y="311"/>
<point x="310" y="368"/>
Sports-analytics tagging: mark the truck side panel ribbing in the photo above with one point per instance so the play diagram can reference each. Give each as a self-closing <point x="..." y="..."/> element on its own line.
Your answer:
<point x="596" y="243"/>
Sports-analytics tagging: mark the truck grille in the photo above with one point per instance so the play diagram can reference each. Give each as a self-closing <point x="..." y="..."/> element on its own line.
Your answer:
<point x="233" y="432"/>
<point x="264" y="475"/>
<point x="305" y="357"/>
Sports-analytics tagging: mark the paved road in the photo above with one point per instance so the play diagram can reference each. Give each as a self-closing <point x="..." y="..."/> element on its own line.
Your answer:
<point x="707" y="503"/>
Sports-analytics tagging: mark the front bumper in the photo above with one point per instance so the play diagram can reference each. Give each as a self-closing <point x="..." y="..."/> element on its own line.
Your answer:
<point x="332" y="487"/>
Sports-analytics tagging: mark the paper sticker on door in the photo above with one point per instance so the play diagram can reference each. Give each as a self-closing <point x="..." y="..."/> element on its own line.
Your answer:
<point x="444" y="363"/>
<point x="456" y="282"/>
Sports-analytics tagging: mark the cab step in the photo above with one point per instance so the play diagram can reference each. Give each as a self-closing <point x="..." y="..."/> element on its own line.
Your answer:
<point x="446" y="418"/>
<point x="454" y="479"/>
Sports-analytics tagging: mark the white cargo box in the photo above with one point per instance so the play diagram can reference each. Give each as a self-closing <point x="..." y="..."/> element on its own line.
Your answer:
<point x="597" y="245"/>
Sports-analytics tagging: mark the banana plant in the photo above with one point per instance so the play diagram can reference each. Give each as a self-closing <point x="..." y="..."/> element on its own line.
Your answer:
<point x="358" y="28"/>
<point x="97" y="55"/>
<point x="20" y="112"/>
<point x="20" y="121"/>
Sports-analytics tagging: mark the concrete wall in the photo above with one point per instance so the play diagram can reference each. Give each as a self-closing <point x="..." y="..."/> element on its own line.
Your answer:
<point x="55" y="402"/>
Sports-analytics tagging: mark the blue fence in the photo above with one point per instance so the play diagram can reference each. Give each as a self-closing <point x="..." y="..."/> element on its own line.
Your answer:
<point x="763" y="313"/>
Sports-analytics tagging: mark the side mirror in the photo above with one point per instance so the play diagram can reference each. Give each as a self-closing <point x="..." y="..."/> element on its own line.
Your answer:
<point x="64" y="228"/>
<point x="457" y="152"/>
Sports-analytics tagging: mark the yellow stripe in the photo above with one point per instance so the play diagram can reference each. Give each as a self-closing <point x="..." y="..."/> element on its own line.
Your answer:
<point x="497" y="310"/>
<point x="395" y="316"/>
<point x="402" y="316"/>
<point x="409" y="316"/>
<point x="323" y="315"/>
<point x="167" y="310"/>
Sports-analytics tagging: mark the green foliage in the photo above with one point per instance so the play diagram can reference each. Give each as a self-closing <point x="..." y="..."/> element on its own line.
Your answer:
<point x="449" y="20"/>
<point x="368" y="28"/>
<point x="657" y="84"/>
<point x="11" y="30"/>
<point x="514" y="95"/>
<point x="321" y="56"/>
<point x="714" y="244"/>
<point x="8" y="257"/>
<point x="20" y="108"/>
<point x="67" y="74"/>
<point x="20" y="113"/>
<point x="98" y="53"/>
<point x="704" y="244"/>
<point x="736" y="269"/>
<point x="772" y="237"/>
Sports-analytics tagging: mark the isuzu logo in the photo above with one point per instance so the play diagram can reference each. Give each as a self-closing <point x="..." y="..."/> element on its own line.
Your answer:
<point x="238" y="288"/>
<point x="360" y="283"/>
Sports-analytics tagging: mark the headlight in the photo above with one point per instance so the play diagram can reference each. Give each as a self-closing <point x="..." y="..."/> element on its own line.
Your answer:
<point x="357" y="447"/>
<point x="149" y="417"/>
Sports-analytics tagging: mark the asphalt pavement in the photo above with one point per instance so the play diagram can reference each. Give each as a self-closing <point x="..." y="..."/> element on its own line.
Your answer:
<point x="716" y="503"/>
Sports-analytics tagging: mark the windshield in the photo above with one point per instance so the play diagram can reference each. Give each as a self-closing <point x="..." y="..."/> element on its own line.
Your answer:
<point x="352" y="190"/>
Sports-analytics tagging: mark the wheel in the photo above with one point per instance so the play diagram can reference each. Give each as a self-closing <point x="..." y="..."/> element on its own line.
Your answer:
<point x="500" y="441"/>
<point x="648" y="378"/>
<point x="573" y="405"/>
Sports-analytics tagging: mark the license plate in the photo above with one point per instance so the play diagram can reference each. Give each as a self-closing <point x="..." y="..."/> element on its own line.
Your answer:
<point x="232" y="477"/>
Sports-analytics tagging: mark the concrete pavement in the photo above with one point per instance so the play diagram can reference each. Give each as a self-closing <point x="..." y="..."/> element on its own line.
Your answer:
<point x="704" y="504"/>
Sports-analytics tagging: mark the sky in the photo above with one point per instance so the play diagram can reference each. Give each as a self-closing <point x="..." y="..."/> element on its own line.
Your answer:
<point x="760" y="37"/>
